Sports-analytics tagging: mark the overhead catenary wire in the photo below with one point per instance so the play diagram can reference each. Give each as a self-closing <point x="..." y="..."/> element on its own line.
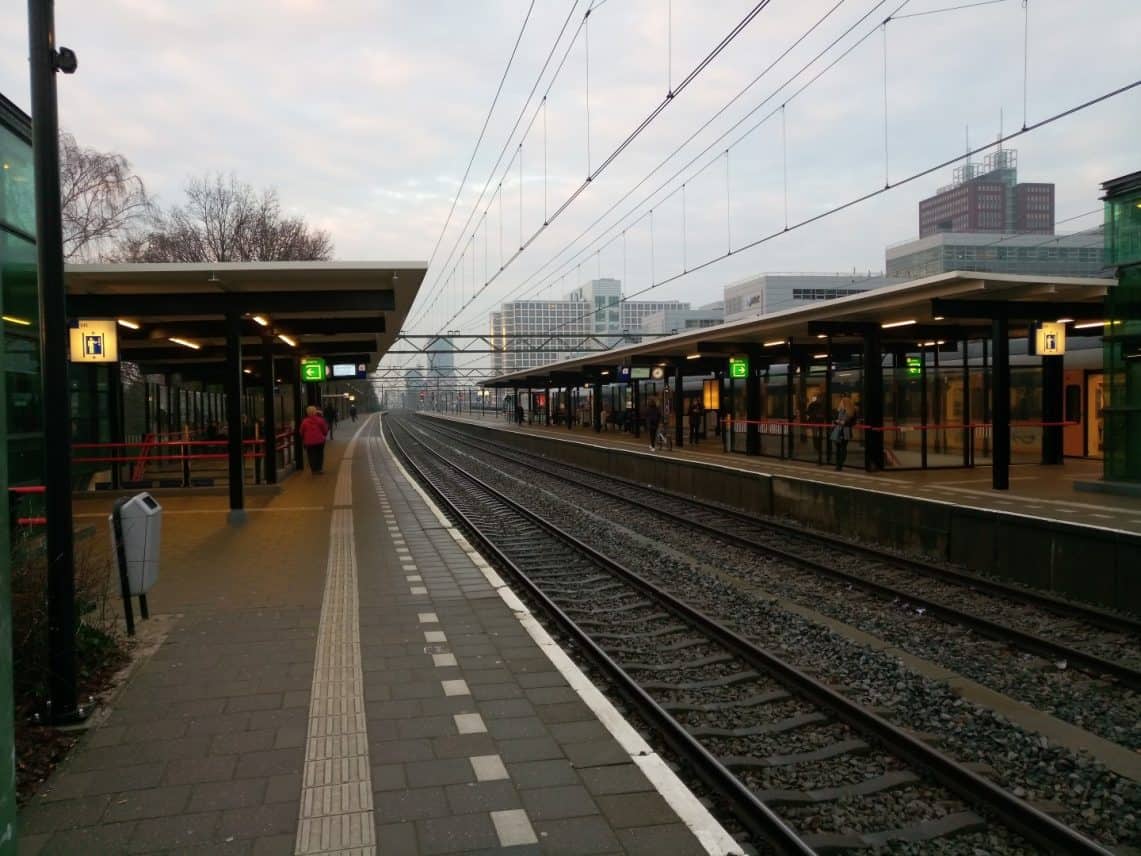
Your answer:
<point x="835" y="209"/>
<point x="896" y="14"/>
<point x="510" y="136"/>
<point x="697" y="132"/>
<point x="637" y="131"/>
<point x="482" y="131"/>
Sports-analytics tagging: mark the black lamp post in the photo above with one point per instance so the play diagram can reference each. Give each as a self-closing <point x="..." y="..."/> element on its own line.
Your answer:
<point x="46" y="60"/>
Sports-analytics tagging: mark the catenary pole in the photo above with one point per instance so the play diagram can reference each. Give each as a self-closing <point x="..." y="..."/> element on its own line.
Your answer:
<point x="45" y="61"/>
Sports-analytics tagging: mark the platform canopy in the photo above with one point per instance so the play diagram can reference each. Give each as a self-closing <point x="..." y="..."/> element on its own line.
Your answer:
<point x="946" y="308"/>
<point x="350" y="311"/>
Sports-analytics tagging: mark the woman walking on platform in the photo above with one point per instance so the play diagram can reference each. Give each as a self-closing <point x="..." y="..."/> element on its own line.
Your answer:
<point x="314" y="430"/>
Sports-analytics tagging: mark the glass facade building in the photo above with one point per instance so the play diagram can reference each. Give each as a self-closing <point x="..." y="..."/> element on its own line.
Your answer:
<point x="20" y="438"/>
<point x="1122" y="338"/>
<point x="19" y="303"/>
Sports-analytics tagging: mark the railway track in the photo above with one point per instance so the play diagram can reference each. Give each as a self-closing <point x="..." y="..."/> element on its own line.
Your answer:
<point x="803" y="768"/>
<point x="892" y="577"/>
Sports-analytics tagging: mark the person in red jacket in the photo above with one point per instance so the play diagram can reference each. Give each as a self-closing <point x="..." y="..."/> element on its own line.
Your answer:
<point x="314" y="430"/>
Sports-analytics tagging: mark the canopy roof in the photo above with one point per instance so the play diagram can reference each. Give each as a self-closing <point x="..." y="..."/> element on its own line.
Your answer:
<point x="948" y="307"/>
<point x="351" y="310"/>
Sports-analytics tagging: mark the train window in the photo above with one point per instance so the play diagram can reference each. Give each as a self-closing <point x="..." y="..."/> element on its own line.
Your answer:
<point x="1074" y="403"/>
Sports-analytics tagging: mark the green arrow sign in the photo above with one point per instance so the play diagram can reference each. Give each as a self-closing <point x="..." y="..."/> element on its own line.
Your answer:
<point x="738" y="367"/>
<point x="312" y="369"/>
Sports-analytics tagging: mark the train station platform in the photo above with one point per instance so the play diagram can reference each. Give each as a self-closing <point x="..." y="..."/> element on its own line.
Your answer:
<point x="1041" y="532"/>
<point x="1036" y="491"/>
<point x="342" y="674"/>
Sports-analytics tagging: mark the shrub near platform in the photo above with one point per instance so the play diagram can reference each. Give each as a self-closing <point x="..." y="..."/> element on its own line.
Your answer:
<point x="100" y="651"/>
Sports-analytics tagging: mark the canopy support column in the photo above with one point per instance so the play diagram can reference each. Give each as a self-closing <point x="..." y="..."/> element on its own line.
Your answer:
<point x="873" y="401"/>
<point x="596" y="407"/>
<point x="753" y="406"/>
<point x="679" y="407"/>
<point x="233" y="381"/>
<point x="1000" y="409"/>
<point x="269" y="419"/>
<point x="1053" y="389"/>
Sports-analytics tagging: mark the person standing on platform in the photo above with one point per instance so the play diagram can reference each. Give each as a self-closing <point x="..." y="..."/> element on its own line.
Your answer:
<point x="353" y="412"/>
<point x="695" y="413"/>
<point x="330" y="418"/>
<point x="814" y="415"/>
<point x="314" y="431"/>
<point x="842" y="431"/>
<point x="653" y="420"/>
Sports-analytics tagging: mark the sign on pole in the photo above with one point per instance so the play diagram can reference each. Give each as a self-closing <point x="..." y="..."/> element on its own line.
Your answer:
<point x="738" y="367"/>
<point x="94" y="340"/>
<point x="312" y="369"/>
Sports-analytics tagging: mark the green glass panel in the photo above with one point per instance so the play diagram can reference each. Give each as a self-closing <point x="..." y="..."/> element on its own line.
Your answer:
<point x="17" y="188"/>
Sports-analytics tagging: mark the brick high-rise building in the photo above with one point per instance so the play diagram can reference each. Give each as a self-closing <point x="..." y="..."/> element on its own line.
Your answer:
<point x="988" y="198"/>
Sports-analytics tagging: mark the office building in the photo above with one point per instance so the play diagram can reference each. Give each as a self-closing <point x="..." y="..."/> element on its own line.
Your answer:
<point x="771" y="292"/>
<point x="1079" y="254"/>
<point x="529" y="333"/>
<point x="681" y="320"/>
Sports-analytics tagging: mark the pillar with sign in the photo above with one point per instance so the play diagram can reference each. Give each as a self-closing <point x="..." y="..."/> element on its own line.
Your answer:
<point x="1048" y="340"/>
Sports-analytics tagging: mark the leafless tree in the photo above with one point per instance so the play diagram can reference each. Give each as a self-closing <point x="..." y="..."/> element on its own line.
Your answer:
<point x="101" y="199"/>
<point x="226" y="220"/>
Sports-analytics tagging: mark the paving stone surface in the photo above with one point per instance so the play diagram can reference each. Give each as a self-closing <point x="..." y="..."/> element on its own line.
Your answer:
<point x="471" y="739"/>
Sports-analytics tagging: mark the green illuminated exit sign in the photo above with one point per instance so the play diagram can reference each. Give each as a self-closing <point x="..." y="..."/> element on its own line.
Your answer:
<point x="914" y="366"/>
<point x="312" y="369"/>
<point x="738" y="367"/>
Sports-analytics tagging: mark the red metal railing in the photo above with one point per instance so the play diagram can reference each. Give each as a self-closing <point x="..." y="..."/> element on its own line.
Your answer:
<point x="35" y="489"/>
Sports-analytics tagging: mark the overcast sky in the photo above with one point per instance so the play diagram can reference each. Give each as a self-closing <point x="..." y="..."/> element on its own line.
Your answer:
<point x="364" y="113"/>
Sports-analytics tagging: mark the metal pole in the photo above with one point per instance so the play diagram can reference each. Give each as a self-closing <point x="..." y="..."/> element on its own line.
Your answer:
<point x="924" y="421"/>
<point x="45" y="61"/>
<point x="1000" y="439"/>
<point x="679" y="405"/>
<point x="234" y="446"/>
<point x="298" y="410"/>
<point x="115" y="420"/>
<point x="269" y="432"/>
<point x="968" y="434"/>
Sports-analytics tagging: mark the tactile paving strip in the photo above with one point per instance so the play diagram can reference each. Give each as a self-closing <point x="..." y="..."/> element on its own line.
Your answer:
<point x="336" y="795"/>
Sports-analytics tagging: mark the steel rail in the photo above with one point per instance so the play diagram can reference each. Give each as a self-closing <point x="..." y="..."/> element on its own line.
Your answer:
<point x="1126" y="675"/>
<point x="967" y="785"/>
<point x="758" y="818"/>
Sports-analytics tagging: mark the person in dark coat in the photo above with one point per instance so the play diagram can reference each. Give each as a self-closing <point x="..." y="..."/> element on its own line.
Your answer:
<point x="653" y="420"/>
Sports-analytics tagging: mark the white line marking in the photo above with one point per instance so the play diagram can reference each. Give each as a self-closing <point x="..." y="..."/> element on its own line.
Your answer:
<point x="469" y="723"/>
<point x="444" y="660"/>
<point x="455" y="688"/>
<point x="488" y="768"/>
<point x="427" y="617"/>
<point x="513" y="828"/>
<point x="418" y="590"/>
<point x="435" y="636"/>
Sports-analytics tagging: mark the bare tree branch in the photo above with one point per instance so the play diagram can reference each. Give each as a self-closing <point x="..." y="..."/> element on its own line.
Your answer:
<point x="225" y="220"/>
<point x="101" y="199"/>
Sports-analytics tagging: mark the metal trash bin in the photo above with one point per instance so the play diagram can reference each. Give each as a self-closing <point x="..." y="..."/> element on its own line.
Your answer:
<point x="136" y="539"/>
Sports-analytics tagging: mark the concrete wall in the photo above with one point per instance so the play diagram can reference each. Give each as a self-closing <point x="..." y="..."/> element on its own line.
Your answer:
<point x="1095" y="565"/>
